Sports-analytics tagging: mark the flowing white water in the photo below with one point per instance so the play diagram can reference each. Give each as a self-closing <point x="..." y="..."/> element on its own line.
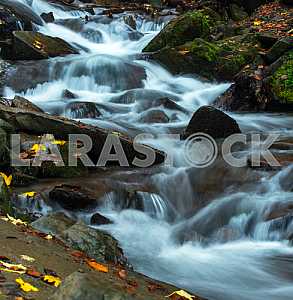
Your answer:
<point x="229" y="250"/>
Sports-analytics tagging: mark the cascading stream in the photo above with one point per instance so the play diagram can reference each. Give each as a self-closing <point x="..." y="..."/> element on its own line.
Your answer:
<point x="224" y="250"/>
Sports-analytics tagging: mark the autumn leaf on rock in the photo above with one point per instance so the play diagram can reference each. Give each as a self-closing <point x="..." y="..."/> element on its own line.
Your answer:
<point x="25" y="286"/>
<point x="7" y="179"/>
<point x="29" y="194"/>
<point x="27" y="258"/>
<point x="96" y="266"/>
<point x="33" y="273"/>
<point x="13" y="268"/>
<point x="122" y="274"/>
<point x="180" y="294"/>
<point x="52" y="280"/>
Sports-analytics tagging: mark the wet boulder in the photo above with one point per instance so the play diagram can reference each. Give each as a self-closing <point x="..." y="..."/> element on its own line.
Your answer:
<point x="73" y="197"/>
<point x="153" y="116"/>
<point x="81" y="110"/>
<point x="218" y="60"/>
<point x="211" y="121"/>
<point x="260" y="89"/>
<point x="22" y="103"/>
<point x="98" y="219"/>
<point x="54" y="223"/>
<point x="48" y="17"/>
<point x="9" y="23"/>
<point x="29" y="45"/>
<point x="164" y="102"/>
<point x="194" y="24"/>
<point x="23" y="12"/>
<point x="41" y="123"/>
<point x="95" y="243"/>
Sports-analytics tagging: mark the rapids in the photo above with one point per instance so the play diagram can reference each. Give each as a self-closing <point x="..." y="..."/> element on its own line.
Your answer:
<point x="236" y="255"/>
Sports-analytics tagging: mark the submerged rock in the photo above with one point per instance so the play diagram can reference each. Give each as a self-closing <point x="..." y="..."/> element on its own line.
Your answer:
<point x="28" y="45"/>
<point x="81" y="110"/>
<point x="213" y="122"/>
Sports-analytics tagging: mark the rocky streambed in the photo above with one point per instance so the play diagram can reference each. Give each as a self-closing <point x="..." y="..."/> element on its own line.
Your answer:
<point x="119" y="69"/>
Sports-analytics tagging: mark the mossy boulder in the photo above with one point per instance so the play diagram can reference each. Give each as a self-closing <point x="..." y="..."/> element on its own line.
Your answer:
<point x="219" y="60"/>
<point x="281" y="82"/>
<point x="183" y="29"/>
<point x="28" y="45"/>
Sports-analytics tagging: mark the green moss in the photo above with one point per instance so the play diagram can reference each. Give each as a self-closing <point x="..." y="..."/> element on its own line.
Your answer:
<point x="282" y="80"/>
<point x="183" y="29"/>
<point x="205" y="50"/>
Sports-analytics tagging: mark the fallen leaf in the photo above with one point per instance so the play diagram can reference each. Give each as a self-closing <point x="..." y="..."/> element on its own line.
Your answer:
<point x="29" y="194"/>
<point x="122" y="274"/>
<point x="33" y="273"/>
<point x="27" y="258"/>
<point x="12" y="220"/>
<point x="48" y="237"/>
<point x="13" y="268"/>
<point x="25" y="286"/>
<point x="256" y="23"/>
<point x="57" y="142"/>
<point x="78" y="254"/>
<point x="52" y="280"/>
<point x="96" y="266"/>
<point x="182" y="294"/>
<point x="7" y="179"/>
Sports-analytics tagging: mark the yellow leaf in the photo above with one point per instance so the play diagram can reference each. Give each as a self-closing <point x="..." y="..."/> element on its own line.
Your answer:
<point x="7" y="179"/>
<point x="256" y="23"/>
<point x="49" y="237"/>
<point x="13" y="220"/>
<point x="56" y="281"/>
<point x="13" y="268"/>
<point x="29" y="194"/>
<point x="57" y="142"/>
<point x="182" y="294"/>
<point x="27" y="258"/>
<point x="25" y="286"/>
<point x="38" y="147"/>
<point x="93" y="264"/>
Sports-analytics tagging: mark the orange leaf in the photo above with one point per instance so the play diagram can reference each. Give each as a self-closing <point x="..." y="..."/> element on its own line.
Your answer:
<point x="96" y="266"/>
<point x="78" y="254"/>
<point x="33" y="273"/>
<point x="122" y="274"/>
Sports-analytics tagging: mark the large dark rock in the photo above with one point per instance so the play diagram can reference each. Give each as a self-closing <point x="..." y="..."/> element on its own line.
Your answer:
<point x="81" y="110"/>
<point x="219" y="60"/>
<point x="22" y="103"/>
<point x="22" y="11"/>
<point x="258" y="88"/>
<point x="98" y="219"/>
<point x="28" y="45"/>
<point x="41" y="123"/>
<point x="72" y="197"/>
<point x="211" y="121"/>
<point x="194" y="24"/>
<point x="95" y="243"/>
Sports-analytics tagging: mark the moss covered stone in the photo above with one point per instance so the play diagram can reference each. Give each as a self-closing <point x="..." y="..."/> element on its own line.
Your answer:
<point x="282" y="80"/>
<point x="183" y="29"/>
<point x="220" y="60"/>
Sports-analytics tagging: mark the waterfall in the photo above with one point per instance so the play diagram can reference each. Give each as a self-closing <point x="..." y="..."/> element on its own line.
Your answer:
<point x="208" y="231"/>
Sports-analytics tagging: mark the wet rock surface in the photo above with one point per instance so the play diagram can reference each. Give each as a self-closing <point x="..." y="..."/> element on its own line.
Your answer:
<point x="213" y="122"/>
